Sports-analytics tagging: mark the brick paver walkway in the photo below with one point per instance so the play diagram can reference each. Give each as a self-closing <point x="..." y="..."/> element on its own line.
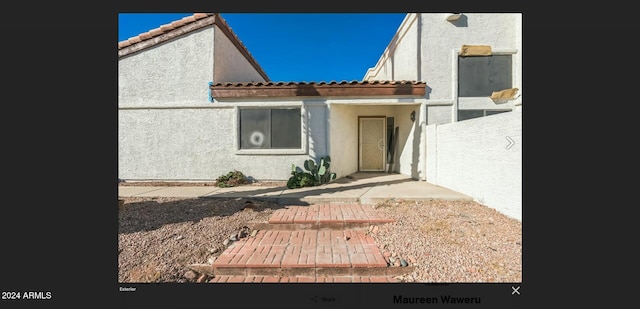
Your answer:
<point x="328" y="213"/>
<point x="302" y="279"/>
<point x="313" y="254"/>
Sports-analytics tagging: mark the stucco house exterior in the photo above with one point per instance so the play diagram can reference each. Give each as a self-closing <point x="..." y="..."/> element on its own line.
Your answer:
<point x="471" y="118"/>
<point x="194" y="104"/>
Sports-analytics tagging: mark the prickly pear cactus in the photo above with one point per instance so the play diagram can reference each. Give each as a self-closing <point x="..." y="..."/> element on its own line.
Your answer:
<point x="317" y="173"/>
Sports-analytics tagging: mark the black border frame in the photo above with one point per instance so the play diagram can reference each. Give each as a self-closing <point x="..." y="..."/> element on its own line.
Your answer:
<point x="51" y="249"/>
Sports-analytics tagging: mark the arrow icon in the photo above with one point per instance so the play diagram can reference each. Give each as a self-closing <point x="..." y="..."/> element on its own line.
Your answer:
<point x="511" y="143"/>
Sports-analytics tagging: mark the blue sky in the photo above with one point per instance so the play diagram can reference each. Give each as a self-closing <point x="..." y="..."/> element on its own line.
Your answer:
<point x="297" y="46"/>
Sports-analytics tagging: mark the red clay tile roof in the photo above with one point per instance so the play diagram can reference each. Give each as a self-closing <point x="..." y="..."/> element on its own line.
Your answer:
<point x="181" y="27"/>
<point x="333" y="88"/>
<point x="165" y="29"/>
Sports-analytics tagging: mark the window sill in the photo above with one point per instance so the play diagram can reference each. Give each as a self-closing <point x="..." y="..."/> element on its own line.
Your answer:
<point x="271" y="152"/>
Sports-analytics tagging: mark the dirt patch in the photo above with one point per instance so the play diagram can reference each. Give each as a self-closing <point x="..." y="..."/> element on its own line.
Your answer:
<point x="160" y="237"/>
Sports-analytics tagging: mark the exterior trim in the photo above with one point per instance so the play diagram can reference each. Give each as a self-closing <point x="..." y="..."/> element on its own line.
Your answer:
<point x="322" y="89"/>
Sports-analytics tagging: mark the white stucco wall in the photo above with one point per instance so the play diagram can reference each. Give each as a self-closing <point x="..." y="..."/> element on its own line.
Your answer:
<point x="229" y="64"/>
<point x="501" y="31"/>
<point x="317" y="129"/>
<point x="174" y="73"/>
<point x="175" y="144"/>
<point x="440" y="42"/>
<point x="409" y="142"/>
<point x="439" y="114"/>
<point x="399" y="60"/>
<point x="167" y="127"/>
<point x="456" y="155"/>
<point x="202" y="143"/>
<point x="424" y="48"/>
<point x="343" y="130"/>
<point x="471" y="157"/>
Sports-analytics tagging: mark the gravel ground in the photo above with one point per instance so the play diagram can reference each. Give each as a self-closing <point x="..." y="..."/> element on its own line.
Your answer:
<point x="159" y="237"/>
<point x="452" y="241"/>
<point x="446" y="241"/>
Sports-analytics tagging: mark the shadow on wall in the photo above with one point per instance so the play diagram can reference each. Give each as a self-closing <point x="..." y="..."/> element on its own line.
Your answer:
<point x="415" y="150"/>
<point x="461" y="21"/>
<point x="316" y="135"/>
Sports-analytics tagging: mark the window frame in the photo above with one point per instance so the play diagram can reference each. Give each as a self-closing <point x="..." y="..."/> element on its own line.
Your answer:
<point x="485" y="112"/>
<point x="483" y="103"/>
<point x="272" y="151"/>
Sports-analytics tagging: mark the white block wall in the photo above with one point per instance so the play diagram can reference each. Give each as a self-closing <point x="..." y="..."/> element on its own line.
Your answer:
<point x="471" y="157"/>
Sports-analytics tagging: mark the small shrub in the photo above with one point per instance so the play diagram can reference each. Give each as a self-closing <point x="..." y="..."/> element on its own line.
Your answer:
<point x="231" y="179"/>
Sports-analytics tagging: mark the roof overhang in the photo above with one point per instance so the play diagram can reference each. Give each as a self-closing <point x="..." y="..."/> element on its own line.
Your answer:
<point x="181" y="27"/>
<point x="322" y="89"/>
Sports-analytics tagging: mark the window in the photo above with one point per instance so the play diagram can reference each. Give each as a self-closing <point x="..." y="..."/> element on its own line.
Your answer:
<point x="270" y="128"/>
<point x="479" y="76"/>
<point x="464" y="114"/>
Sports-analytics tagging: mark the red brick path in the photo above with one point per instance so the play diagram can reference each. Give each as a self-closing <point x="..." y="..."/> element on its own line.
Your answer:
<point x="311" y="255"/>
<point x="302" y="279"/>
<point x="328" y="213"/>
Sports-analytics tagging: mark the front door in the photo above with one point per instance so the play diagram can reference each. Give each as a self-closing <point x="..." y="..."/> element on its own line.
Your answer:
<point x="372" y="148"/>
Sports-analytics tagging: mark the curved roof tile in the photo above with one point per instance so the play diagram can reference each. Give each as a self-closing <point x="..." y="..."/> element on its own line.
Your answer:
<point x="314" y="89"/>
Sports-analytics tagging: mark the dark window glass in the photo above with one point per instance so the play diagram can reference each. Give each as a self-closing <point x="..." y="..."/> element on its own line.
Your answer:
<point x="464" y="114"/>
<point x="480" y="76"/>
<point x="255" y="127"/>
<point x="270" y="128"/>
<point x="493" y="112"/>
<point x="285" y="128"/>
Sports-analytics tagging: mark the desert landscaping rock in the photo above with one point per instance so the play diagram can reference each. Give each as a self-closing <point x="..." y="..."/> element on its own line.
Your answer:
<point x="148" y="228"/>
<point x="442" y="241"/>
<point x="190" y="275"/>
<point x="202" y="269"/>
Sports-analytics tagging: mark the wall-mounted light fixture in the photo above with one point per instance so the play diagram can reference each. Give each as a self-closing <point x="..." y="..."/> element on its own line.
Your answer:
<point x="413" y="116"/>
<point x="453" y="17"/>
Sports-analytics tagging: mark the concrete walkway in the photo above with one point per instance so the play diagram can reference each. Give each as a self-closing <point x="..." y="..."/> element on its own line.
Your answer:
<point x="363" y="187"/>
